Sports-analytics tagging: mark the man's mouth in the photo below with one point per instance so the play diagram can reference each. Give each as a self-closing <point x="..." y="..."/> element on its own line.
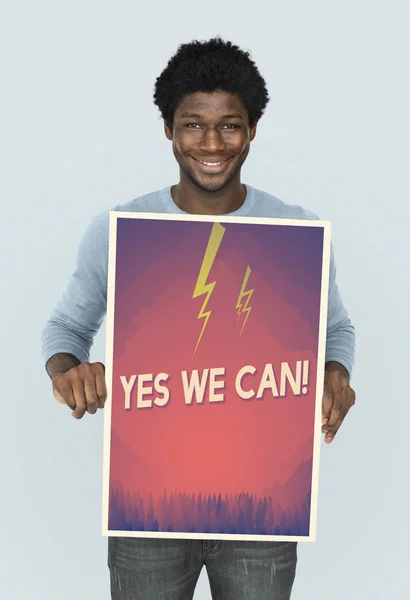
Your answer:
<point x="211" y="165"/>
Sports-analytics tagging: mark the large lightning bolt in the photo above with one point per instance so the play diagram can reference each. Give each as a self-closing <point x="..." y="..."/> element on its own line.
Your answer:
<point x="244" y="299"/>
<point x="202" y="287"/>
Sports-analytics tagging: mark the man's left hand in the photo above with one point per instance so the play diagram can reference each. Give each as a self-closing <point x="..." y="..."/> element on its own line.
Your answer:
<point x="338" y="399"/>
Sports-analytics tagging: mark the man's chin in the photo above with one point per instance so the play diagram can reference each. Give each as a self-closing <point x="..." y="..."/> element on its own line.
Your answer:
<point x="211" y="186"/>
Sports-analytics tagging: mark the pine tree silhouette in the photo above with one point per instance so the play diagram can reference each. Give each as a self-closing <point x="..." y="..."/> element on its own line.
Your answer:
<point x="260" y="518"/>
<point x="155" y="525"/>
<point x="296" y="525"/>
<point x="150" y="516"/>
<point x="240" y="527"/>
<point x="269" y="517"/>
<point x="219" y="505"/>
<point x="242" y="513"/>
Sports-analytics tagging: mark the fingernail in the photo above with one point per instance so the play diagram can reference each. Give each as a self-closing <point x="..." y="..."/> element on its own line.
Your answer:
<point x="324" y="421"/>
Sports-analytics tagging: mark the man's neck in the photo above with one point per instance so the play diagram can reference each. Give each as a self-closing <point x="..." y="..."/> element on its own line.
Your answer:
<point x="189" y="198"/>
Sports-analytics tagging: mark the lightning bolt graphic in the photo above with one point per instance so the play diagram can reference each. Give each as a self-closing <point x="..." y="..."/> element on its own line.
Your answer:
<point x="202" y="287"/>
<point x="247" y="295"/>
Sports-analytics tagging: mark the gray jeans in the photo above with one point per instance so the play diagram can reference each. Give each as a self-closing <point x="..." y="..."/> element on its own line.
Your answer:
<point x="159" y="569"/>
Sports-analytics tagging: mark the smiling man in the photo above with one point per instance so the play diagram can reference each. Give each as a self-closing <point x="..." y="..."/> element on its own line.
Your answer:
<point x="211" y="136"/>
<point x="211" y="97"/>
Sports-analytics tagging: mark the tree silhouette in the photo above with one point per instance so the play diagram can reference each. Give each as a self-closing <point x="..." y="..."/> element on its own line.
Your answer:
<point x="218" y="505"/>
<point x="260" y="525"/>
<point x="179" y="511"/>
<point x="269" y="517"/>
<point x="240" y="527"/>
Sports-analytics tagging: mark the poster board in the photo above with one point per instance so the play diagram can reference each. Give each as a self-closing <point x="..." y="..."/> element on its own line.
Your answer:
<point x="215" y="352"/>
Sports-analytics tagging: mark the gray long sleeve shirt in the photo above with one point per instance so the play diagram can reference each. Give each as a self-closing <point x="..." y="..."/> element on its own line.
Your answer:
<point x="81" y="310"/>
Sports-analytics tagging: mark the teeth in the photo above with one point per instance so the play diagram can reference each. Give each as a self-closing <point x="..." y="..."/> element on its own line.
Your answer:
<point x="211" y="164"/>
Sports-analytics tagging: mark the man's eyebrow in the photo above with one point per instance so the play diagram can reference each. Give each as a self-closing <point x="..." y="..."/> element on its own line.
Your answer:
<point x="198" y="116"/>
<point x="191" y="116"/>
<point x="233" y="116"/>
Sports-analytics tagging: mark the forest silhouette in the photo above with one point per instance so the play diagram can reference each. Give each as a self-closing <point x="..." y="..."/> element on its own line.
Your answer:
<point x="182" y="512"/>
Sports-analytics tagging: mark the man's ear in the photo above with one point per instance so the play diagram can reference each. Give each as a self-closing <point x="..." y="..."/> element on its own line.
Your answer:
<point x="168" y="130"/>
<point x="252" y="131"/>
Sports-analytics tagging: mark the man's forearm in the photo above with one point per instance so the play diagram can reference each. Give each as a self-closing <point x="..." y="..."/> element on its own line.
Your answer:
<point x="61" y="363"/>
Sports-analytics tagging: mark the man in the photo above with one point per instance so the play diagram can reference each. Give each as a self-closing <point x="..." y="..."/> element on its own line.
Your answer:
<point x="211" y="97"/>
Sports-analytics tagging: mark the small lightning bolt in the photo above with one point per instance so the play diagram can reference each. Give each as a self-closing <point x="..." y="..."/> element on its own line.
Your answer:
<point x="247" y="295"/>
<point x="202" y="287"/>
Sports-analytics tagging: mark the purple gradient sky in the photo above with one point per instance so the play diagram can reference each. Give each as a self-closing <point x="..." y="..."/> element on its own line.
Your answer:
<point x="291" y="255"/>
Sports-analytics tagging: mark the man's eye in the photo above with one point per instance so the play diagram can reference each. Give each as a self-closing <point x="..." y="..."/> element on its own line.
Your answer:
<point x="197" y="125"/>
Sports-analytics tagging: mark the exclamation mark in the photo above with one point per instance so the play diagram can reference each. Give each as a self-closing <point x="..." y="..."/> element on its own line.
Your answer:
<point x="305" y="376"/>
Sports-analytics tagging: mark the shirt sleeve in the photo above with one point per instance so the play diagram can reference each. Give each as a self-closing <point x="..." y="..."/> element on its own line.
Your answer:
<point x="79" y="313"/>
<point x="340" y="334"/>
<point x="340" y="338"/>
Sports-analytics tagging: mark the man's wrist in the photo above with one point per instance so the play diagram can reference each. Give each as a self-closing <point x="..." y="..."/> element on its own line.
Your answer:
<point x="61" y="363"/>
<point x="333" y="365"/>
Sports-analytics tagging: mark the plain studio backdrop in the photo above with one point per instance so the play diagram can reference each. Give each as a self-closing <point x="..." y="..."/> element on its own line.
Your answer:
<point x="80" y="133"/>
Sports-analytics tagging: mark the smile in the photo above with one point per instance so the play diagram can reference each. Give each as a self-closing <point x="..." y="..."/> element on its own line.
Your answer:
<point x="217" y="165"/>
<point x="210" y="164"/>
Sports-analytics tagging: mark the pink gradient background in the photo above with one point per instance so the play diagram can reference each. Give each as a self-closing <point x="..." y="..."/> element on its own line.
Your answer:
<point x="252" y="446"/>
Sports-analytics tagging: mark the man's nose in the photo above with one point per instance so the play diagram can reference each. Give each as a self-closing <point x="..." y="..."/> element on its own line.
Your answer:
<point x="212" y="141"/>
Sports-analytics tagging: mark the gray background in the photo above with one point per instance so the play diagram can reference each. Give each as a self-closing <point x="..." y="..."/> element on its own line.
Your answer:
<point x="79" y="133"/>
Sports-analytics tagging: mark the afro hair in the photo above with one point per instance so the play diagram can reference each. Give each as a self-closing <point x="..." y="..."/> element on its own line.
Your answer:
<point x="213" y="65"/>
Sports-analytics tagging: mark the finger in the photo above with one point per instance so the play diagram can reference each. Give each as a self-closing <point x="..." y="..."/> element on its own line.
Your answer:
<point x="91" y="398"/>
<point x="63" y="393"/>
<point x="330" y="435"/>
<point x="58" y="396"/>
<point x="101" y="387"/>
<point x="334" y="416"/>
<point x="79" y="397"/>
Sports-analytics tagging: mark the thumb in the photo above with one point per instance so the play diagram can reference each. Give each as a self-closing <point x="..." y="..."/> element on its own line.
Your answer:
<point x="57" y="394"/>
<point x="58" y="397"/>
<point x="327" y="404"/>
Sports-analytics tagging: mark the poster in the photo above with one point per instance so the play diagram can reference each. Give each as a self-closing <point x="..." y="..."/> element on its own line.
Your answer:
<point x="216" y="333"/>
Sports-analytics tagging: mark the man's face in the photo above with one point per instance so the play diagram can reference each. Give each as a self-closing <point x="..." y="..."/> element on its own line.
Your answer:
<point x="210" y="138"/>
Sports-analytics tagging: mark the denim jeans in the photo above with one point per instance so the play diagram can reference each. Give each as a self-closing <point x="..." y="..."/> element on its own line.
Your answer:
<point x="167" y="569"/>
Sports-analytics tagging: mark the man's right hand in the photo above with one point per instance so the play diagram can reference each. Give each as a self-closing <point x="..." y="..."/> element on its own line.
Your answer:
<point x="82" y="388"/>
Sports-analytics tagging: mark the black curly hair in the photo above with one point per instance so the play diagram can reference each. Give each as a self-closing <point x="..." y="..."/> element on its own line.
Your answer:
<point x="207" y="67"/>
